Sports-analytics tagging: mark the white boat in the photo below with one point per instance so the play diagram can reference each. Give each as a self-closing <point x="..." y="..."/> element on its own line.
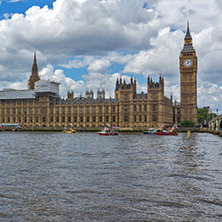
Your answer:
<point x="108" y="132"/>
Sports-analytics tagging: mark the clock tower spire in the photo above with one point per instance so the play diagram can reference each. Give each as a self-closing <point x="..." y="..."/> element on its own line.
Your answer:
<point x="188" y="80"/>
<point x="188" y="38"/>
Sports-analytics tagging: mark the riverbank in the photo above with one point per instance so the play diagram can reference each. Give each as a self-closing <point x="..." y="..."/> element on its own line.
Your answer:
<point x="216" y="133"/>
<point x="87" y="129"/>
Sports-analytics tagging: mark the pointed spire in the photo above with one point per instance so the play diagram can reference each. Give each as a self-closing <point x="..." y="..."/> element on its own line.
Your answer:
<point x="34" y="66"/>
<point x="131" y="80"/>
<point x="34" y="57"/>
<point x="188" y="45"/>
<point x="188" y="36"/>
<point x="34" y="76"/>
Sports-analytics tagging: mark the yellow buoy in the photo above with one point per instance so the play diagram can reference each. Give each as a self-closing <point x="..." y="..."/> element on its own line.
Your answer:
<point x="188" y="134"/>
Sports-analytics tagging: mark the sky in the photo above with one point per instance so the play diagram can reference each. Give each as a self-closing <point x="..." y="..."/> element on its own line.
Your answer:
<point x="88" y="44"/>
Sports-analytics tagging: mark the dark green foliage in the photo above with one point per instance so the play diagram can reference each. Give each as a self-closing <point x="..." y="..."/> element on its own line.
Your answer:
<point x="187" y="123"/>
<point x="203" y="114"/>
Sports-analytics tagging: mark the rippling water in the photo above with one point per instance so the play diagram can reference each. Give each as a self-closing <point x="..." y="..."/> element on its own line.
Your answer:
<point x="130" y="177"/>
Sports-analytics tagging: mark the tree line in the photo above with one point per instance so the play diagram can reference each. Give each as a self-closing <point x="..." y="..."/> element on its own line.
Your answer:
<point x="203" y="115"/>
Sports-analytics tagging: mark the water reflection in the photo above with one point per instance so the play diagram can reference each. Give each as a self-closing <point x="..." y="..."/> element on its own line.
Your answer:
<point x="132" y="177"/>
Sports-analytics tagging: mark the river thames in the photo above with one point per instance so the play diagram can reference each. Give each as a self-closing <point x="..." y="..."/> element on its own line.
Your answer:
<point x="130" y="177"/>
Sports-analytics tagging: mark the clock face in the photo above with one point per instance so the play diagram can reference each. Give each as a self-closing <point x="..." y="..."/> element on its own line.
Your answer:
<point x="187" y="63"/>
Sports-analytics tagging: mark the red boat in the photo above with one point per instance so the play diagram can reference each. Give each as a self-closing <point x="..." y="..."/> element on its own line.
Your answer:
<point x="168" y="132"/>
<point x="17" y="129"/>
<point x="164" y="133"/>
<point x="107" y="132"/>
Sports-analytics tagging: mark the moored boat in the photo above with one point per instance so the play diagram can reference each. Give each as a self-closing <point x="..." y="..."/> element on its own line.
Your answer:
<point x="168" y="132"/>
<point x="108" y="132"/>
<point x="150" y="131"/>
<point x="17" y="129"/>
<point x="69" y="131"/>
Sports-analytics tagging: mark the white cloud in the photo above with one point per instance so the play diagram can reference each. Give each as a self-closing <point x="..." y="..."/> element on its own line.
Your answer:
<point x="218" y="4"/>
<point x="15" y="0"/>
<point x="161" y="59"/>
<point x="92" y="61"/>
<point x="210" y="94"/>
<point x="97" y="80"/>
<point x="99" y="66"/>
<point x="78" y="62"/>
<point x="90" y="27"/>
<point x="66" y="84"/>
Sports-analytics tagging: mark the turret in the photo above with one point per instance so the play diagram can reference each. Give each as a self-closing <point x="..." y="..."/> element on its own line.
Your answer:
<point x="117" y="84"/>
<point x="34" y="76"/>
<point x="70" y="94"/>
<point x="155" y="85"/>
<point x="127" y="90"/>
<point x="155" y="88"/>
<point x="100" y="94"/>
<point x="89" y="94"/>
<point x="131" y="80"/>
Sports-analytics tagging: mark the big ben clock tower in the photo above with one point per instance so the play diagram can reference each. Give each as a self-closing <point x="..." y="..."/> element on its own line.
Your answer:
<point x="188" y="80"/>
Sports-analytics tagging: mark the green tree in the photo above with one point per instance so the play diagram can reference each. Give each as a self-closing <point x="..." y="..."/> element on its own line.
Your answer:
<point x="187" y="123"/>
<point x="211" y="115"/>
<point x="203" y="114"/>
<point x="200" y="118"/>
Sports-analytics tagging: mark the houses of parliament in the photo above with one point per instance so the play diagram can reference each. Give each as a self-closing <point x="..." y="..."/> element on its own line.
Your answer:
<point x="40" y="104"/>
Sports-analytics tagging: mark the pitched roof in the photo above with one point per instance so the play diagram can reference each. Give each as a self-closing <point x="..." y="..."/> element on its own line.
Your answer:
<point x="7" y="94"/>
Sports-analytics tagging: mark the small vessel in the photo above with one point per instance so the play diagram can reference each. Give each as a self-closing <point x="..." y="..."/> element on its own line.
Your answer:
<point x="168" y="132"/>
<point x="108" y="132"/>
<point x="150" y="131"/>
<point x="17" y="129"/>
<point x="69" y="131"/>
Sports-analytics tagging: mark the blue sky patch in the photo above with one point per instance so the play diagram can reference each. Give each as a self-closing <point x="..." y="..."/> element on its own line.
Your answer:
<point x="7" y="7"/>
<point x="73" y="73"/>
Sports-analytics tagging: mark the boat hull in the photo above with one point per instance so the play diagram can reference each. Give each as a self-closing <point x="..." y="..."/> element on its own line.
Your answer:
<point x="17" y="130"/>
<point x="108" y="134"/>
<point x="166" y="134"/>
<point x="72" y="131"/>
<point x="149" y="132"/>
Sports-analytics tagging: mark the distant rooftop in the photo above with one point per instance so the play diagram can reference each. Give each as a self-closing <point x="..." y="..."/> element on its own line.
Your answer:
<point x="40" y="87"/>
<point x="16" y="94"/>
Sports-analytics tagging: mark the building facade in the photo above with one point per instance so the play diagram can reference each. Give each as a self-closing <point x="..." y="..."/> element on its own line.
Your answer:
<point x="188" y="80"/>
<point x="40" y="104"/>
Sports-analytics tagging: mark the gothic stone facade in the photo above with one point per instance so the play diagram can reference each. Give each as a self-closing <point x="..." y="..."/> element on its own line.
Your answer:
<point x="129" y="110"/>
<point x="188" y="80"/>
